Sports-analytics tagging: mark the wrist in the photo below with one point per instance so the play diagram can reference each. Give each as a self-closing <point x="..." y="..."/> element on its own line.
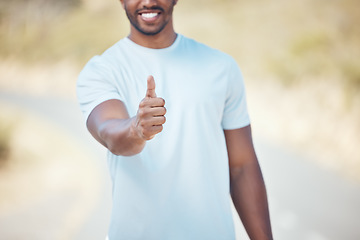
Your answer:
<point x="134" y="132"/>
<point x="121" y="137"/>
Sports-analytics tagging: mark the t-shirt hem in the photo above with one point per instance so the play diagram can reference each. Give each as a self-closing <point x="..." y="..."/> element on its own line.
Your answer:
<point x="237" y="126"/>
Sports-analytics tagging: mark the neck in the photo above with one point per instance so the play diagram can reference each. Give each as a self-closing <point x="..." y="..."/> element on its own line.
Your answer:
<point x="163" y="39"/>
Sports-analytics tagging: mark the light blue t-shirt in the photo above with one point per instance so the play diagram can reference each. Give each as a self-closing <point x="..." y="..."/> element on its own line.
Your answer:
<point x="177" y="188"/>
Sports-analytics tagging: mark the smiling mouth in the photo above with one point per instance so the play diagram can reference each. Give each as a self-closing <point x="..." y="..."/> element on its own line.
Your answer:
<point x="149" y="15"/>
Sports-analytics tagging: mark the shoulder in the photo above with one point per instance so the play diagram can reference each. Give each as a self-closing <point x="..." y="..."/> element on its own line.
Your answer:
<point x="206" y="52"/>
<point x="106" y="60"/>
<point x="113" y="53"/>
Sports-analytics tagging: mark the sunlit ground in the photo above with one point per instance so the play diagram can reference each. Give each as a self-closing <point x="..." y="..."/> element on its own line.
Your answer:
<point x="48" y="177"/>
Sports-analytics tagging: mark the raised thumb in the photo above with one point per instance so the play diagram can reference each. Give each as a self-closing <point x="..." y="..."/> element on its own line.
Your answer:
<point x="150" y="92"/>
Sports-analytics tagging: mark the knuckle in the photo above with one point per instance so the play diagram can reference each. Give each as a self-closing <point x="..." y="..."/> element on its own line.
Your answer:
<point x="142" y="104"/>
<point x="141" y="113"/>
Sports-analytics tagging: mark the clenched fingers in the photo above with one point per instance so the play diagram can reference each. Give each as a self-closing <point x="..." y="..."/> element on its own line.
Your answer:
<point x="152" y="102"/>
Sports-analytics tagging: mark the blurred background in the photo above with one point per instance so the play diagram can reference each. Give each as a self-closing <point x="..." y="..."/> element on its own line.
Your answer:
<point x="300" y="61"/>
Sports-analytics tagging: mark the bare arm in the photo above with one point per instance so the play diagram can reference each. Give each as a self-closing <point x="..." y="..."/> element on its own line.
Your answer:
<point x="111" y="125"/>
<point x="247" y="186"/>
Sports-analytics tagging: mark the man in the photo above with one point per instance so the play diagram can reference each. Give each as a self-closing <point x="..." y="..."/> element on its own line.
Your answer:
<point x="173" y="168"/>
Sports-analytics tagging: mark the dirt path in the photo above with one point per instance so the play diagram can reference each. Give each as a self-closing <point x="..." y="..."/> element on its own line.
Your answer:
<point x="306" y="202"/>
<point x="56" y="189"/>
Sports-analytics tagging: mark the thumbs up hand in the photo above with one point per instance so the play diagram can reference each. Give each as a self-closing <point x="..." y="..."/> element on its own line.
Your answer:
<point x="150" y="116"/>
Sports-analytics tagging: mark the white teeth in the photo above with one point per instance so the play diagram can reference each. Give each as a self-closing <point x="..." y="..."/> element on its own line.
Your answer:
<point x="149" y="15"/>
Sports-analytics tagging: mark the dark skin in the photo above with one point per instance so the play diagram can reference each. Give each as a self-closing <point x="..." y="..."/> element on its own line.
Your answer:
<point x="122" y="134"/>
<point x="111" y="125"/>
<point x="247" y="186"/>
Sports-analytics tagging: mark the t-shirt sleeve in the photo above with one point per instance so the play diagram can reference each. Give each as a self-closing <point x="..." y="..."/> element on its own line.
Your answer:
<point x="235" y="112"/>
<point x="95" y="85"/>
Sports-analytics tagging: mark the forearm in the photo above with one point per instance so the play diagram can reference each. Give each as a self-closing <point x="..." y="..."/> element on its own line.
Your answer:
<point x="120" y="137"/>
<point x="249" y="196"/>
<point x="110" y="124"/>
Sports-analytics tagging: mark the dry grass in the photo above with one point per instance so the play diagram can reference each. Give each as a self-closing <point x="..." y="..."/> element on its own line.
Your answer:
<point x="299" y="59"/>
<point x="292" y="40"/>
<point x="75" y="34"/>
<point x="6" y="132"/>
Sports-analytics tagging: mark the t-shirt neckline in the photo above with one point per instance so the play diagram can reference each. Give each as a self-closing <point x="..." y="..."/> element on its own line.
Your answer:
<point x="137" y="46"/>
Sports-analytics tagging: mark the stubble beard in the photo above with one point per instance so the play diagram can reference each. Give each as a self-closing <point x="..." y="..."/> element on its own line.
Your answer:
<point x="136" y="25"/>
